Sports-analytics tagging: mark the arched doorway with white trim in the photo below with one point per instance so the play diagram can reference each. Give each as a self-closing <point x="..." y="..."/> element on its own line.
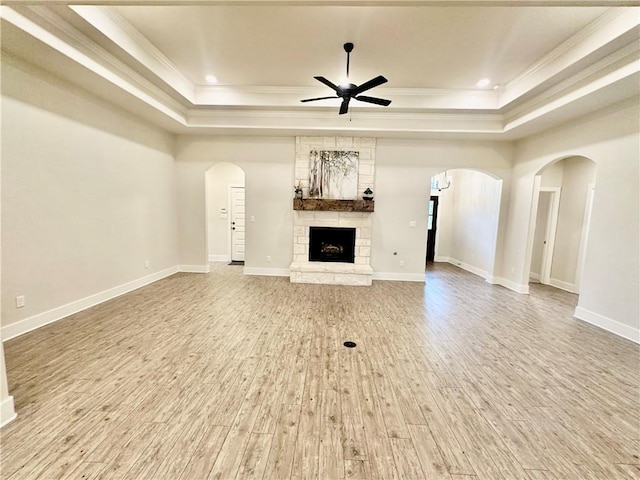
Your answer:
<point x="560" y="215"/>
<point x="225" y="213"/>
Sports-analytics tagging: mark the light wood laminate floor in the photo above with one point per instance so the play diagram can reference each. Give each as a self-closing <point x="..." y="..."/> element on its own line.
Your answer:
<point x="225" y="376"/>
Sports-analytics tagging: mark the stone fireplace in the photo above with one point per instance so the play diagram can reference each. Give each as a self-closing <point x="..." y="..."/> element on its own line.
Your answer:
<point x="317" y="217"/>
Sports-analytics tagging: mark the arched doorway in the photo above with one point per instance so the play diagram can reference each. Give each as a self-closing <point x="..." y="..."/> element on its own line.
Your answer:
<point x="462" y="227"/>
<point x="563" y="196"/>
<point x="225" y="207"/>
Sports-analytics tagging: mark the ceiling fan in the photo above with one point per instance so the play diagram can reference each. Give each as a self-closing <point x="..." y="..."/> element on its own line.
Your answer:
<point x="349" y="90"/>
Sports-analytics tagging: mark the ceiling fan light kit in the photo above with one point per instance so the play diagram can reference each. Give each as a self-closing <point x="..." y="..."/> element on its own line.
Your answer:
<point x="350" y="90"/>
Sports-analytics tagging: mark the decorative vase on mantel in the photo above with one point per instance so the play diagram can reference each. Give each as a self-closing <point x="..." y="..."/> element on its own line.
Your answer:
<point x="367" y="194"/>
<point x="298" y="192"/>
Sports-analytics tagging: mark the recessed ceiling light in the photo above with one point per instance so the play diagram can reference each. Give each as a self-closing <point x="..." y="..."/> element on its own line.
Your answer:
<point x="483" y="83"/>
<point x="211" y="80"/>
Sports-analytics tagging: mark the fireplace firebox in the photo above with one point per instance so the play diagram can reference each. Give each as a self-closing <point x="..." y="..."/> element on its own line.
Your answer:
<point x="332" y="244"/>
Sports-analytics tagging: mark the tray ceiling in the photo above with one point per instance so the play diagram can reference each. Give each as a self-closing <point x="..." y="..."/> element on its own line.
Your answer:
<point x="545" y="63"/>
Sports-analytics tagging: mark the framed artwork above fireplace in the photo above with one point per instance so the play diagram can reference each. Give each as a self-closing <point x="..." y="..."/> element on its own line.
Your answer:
<point x="333" y="174"/>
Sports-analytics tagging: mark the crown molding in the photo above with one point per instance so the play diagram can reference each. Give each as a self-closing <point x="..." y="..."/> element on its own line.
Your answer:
<point x="414" y="112"/>
<point x="603" y="30"/>
<point x="627" y="71"/>
<point x="397" y="91"/>
<point x="83" y="51"/>
<point x="111" y="24"/>
<point x="403" y="98"/>
<point x="351" y="3"/>
<point x="356" y="121"/>
<point x="330" y="113"/>
<point x="624" y="61"/>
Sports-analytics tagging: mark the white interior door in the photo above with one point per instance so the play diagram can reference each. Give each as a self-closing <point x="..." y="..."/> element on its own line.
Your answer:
<point x="237" y="223"/>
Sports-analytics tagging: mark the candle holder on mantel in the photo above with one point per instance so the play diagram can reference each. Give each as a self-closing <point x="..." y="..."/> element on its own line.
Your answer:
<point x="367" y="194"/>
<point x="298" y="191"/>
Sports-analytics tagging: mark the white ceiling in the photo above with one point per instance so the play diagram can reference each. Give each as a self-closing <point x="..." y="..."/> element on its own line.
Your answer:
<point x="551" y="63"/>
<point x="414" y="47"/>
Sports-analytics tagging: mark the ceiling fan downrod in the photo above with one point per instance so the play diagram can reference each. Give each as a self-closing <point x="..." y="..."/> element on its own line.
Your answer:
<point x="348" y="47"/>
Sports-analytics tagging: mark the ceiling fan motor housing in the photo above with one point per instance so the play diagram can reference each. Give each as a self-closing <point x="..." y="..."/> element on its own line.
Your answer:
<point x="345" y="90"/>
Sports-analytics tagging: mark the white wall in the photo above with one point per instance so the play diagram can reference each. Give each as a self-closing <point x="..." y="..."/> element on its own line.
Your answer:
<point x="7" y="407"/>
<point x="610" y="281"/>
<point x="93" y="198"/>
<point x="470" y="210"/>
<point x="403" y="175"/>
<point x="87" y="197"/>
<point x="578" y="173"/>
<point x="268" y="166"/>
<point x="218" y="179"/>
<point x="403" y="172"/>
<point x="551" y="176"/>
<point x="572" y="175"/>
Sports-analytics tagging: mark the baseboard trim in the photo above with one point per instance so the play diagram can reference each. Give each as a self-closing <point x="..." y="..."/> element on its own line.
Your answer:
<point x="266" y="272"/>
<point x="194" y="268"/>
<point x="516" y="287"/>
<point x="7" y="411"/>
<point x="468" y="267"/>
<point x="608" y="324"/>
<point x="41" y="319"/>
<point x="566" y="286"/>
<point x="534" y="276"/>
<point x="441" y="259"/>
<point x="399" y="277"/>
<point x="219" y="258"/>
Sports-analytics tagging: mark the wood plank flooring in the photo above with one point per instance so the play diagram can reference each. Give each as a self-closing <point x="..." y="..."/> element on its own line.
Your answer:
<point x="225" y="376"/>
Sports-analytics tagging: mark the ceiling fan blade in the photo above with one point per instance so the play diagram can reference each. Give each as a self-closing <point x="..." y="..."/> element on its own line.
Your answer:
<point x="377" y="101"/>
<point x="344" y="106"/>
<point x="374" y="82"/>
<point x="319" y="98"/>
<point x="327" y="83"/>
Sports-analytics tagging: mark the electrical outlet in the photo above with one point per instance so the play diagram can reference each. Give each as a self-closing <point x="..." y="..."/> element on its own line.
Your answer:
<point x="20" y="301"/>
<point x="252" y="218"/>
<point x="402" y="263"/>
<point x="268" y="258"/>
<point x="412" y="224"/>
<point x="146" y="264"/>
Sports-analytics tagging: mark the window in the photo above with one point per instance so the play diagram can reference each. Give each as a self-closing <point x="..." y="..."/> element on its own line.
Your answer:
<point x="430" y="217"/>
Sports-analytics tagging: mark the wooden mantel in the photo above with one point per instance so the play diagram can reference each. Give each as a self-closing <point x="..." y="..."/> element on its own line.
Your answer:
<point x="333" y="205"/>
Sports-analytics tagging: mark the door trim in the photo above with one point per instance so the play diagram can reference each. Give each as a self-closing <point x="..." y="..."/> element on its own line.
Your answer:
<point x="550" y="232"/>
